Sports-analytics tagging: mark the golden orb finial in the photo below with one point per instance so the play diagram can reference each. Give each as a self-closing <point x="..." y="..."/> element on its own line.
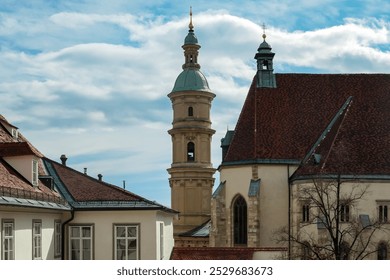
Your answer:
<point x="264" y="36"/>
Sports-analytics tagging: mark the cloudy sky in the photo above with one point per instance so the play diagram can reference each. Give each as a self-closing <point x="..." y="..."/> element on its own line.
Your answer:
<point x="90" y="79"/>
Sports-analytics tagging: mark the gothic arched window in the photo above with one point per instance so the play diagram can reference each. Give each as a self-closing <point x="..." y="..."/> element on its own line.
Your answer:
<point x="190" y="151"/>
<point x="240" y="228"/>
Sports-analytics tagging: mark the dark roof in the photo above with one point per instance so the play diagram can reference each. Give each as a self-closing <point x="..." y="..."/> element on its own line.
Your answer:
<point x="290" y="119"/>
<point x="227" y="139"/>
<point x="200" y="231"/>
<point x="15" y="149"/>
<point x="217" y="253"/>
<point x="85" y="192"/>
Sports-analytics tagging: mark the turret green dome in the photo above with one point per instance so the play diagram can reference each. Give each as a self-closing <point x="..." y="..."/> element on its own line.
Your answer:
<point x="191" y="79"/>
<point x="191" y="39"/>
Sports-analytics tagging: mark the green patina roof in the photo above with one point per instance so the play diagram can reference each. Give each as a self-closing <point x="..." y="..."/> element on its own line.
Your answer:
<point x="191" y="79"/>
<point x="191" y="39"/>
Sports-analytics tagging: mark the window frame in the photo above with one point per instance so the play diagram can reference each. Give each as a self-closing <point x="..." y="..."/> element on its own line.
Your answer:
<point x="345" y="212"/>
<point x="126" y="239"/>
<point x="36" y="239"/>
<point x="305" y="217"/>
<point x="57" y="238"/>
<point x="161" y="225"/>
<point x="81" y="238"/>
<point x="11" y="249"/>
<point x="34" y="172"/>
<point x="383" y="212"/>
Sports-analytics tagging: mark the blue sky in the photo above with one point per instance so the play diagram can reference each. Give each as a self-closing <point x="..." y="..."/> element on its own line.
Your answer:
<point x="90" y="79"/>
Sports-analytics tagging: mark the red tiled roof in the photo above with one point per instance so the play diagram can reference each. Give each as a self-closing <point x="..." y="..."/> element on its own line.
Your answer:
<point x="12" y="183"/>
<point x="217" y="253"/>
<point x="6" y="137"/>
<point x="15" y="149"/>
<point x="289" y="119"/>
<point x="85" y="188"/>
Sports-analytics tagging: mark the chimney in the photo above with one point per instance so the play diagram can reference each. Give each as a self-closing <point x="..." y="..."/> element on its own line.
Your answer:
<point x="100" y="176"/>
<point x="63" y="159"/>
<point x="85" y="170"/>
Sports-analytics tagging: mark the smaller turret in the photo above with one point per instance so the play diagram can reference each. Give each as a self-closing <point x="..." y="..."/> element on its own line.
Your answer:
<point x="264" y="57"/>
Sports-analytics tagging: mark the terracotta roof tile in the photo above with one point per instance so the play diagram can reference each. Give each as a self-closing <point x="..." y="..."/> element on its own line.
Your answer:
<point x="13" y="183"/>
<point x="85" y="192"/>
<point x="217" y="253"/>
<point x="15" y="149"/>
<point x="289" y="119"/>
<point x="85" y="188"/>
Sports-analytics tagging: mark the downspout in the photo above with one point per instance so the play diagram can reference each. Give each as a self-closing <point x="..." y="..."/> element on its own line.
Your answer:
<point x="289" y="211"/>
<point x="63" y="234"/>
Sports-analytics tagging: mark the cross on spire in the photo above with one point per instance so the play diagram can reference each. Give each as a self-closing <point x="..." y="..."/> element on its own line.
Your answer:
<point x="264" y="28"/>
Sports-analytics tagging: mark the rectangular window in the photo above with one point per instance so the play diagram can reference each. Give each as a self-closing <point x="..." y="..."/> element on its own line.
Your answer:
<point x="305" y="213"/>
<point x="161" y="241"/>
<point x="57" y="238"/>
<point x="8" y="240"/>
<point x="126" y="242"/>
<point x="35" y="172"/>
<point x="344" y="213"/>
<point x="80" y="242"/>
<point x="37" y="240"/>
<point x="383" y="213"/>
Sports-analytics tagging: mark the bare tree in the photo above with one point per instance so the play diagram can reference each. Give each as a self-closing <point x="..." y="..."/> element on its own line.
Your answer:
<point x="324" y="223"/>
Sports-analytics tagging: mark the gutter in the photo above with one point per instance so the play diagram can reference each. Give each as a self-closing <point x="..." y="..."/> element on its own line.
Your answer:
<point x="63" y="234"/>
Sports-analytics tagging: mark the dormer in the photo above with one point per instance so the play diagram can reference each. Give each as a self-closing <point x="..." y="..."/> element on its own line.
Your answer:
<point x="22" y="158"/>
<point x="14" y="133"/>
<point x="11" y="129"/>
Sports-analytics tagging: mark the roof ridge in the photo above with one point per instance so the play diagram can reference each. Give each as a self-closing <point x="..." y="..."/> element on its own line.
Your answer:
<point x="340" y="115"/>
<point x="328" y="128"/>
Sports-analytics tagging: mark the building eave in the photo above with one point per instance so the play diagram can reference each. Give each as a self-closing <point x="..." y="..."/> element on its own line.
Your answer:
<point x="31" y="203"/>
<point x="261" y="161"/>
<point x="349" y="177"/>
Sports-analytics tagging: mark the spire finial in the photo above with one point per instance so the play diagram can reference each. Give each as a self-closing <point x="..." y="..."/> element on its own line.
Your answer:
<point x="191" y="26"/>
<point x="264" y="28"/>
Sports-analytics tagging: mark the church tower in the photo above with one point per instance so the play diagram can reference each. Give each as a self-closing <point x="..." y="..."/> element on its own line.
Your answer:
<point x="191" y="172"/>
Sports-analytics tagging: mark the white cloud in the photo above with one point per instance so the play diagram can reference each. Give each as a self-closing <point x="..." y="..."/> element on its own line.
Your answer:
<point x="102" y="99"/>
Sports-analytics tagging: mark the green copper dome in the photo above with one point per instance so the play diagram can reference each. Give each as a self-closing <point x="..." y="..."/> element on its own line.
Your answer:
<point x="191" y="39"/>
<point x="191" y="79"/>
